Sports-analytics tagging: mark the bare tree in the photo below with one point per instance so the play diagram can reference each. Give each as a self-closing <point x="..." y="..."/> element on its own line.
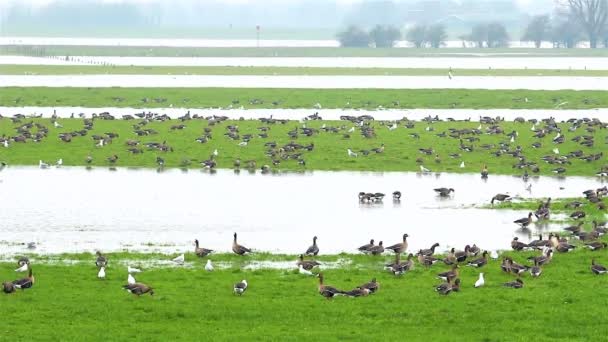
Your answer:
<point x="592" y="15"/>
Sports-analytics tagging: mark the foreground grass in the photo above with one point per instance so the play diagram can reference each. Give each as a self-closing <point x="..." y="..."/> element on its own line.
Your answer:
<point x="301" y="98"/>
<point x="285" y="71"/>
<point x="190" y="304"/>
<point x="154" y="51"/>
<point x="330" y="149"/>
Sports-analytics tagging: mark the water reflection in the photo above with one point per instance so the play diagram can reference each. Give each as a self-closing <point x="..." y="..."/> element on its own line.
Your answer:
<point x="78" y="209"/>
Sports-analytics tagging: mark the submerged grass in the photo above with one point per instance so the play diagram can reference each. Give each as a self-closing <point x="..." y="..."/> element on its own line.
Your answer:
<point x="301" y="98"/>
<point x="565" y="303"/>
<point x="330" y="149"/>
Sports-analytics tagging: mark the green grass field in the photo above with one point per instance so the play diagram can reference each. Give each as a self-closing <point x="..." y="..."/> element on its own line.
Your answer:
<point x="330" y="149"/>
<point x="182" y="70"/>
<point x="291" y="52"/>
<point x="565" y="303"/>
<point x="301" y="98"/>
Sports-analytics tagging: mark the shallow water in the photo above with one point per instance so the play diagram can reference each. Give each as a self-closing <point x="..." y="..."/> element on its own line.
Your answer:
<point x="71" y="209"/>
<point x="308" y="82"/>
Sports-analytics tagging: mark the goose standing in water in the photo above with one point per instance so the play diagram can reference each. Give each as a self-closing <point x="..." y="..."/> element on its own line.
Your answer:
<point x="327" y="291"/>
<point x="314" y="249"/>
<point x="500" y="198"/>
<point x="597" y="268"/>
<point x="179" y="259"/>
<point x="201" y="252"/>
<point x="524" y="222"/>
<point x="399" y="247"/>
<point x="307" y="264"/>
<point x="209" y="266"/>
<point x="138" y="289"/>
<point x="241" y="287"/>
<point x="102" y="273"/>
<point x="25" y="283"/>
<point x="480" y="282"/>
<point x="101" y="260"/>
<point x="238" y="249"/>
<point x="365" y="248"/>
<point x="444" y="192"/>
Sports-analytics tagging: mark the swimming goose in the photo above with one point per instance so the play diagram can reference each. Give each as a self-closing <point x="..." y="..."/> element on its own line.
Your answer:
<point x="209" y="266"/>
<point x="101" y="260"/>
<point x="446" y="288"/>
<point x="500" y="198"/>
<point x="597" y="268"/>
<point x="357" y="292"/>
<point x="430" y="251"/>
<point x="453" y="273"/>
<point x="596" y="245"/>
<point x="238" y="249"/>
<point x="307" y="264"/>
<point x="25" y="283"/>
<point x="179" y="259"/>
<point x="479" y="262"/>
<point x="102" y="273"/>
<point x="535" y="270"/>
<point x="517" y="284"/>
<point x="130" y="279"/>
<point x="327" y="291"/>
<point x="397" y="195"/>
<point x="524" y="222"/>
<point x="444" y="192"/>
<point x="399" y="247"/>
<point x="138" y="289"/>
<point x="241" y="287"/>
<point x="373" y="286"/>
<point x="480" y="282"/>
<point x="375" y="250"/>
<point x="365" y="248"/>
<point x="133" y="269"/>
<point x="518" y="245"/>
<point x="314" y="249"/>
<point x="304" y="271"/>
<point x="199" y="251"/>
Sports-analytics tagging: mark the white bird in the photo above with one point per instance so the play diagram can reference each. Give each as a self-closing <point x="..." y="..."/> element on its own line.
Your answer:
<point x="392" y="127"/>
<point x="512" y="139"/>
<point x="43" y="165"/>
<point x="243" y="143"/>
<point x="450" y="75"/>
<point x="351" y="153"/>
<point x="133" y="270"/>
<point x="424" y="169"/>
<point x="462" y="165"/>
<point x="239" y="288"/>
<point x="317" y="106"/>
<point x="480" y="127"/>
<point x="102" y="273"/>
<point x="494" y="255"/>
<point x="533" y="127"/>
<point x="351" y="130"/>
<point x="305" y="272"/>
<point x="100" y="143"/>
<point x="526" y="100"/>
<point x="559" y="135"/>
<point x="130" y="279"/>
<point x="57" y="125"/>
<point x="23" y="268"/>
<point x="215" y="153"/>
<point x="480" y="282"/>
<point x="529" y="187"/>
<point x="556" y="150"/>
<point x="323" y="126"/>
<point x="6" y="143"/>
<point x="209" y="266"/>
<point x="179" y="259"/>
<point x="59" y="162"/>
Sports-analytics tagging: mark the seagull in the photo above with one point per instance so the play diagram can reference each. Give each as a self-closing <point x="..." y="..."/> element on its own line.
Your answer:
<point x="494" y="255"/>
<point x="351" y="153"/>
<point x="133" y="270"/>
<point x="59" y="162"/>
<point x="100" y="144"/>
<point x="215" y="152"/>
<point x="512" y="139"/>
<point x="480" y="282"/>
<point x="556" y="150"/>
<point x="533" y="127"/>
<point x="23" y="268"/>
<point x="6" y="143"/>
<point x="209" y="266"/>
<point x="351" y="130"/>
<point x="450" y="75"/>
<point x="305" y="272"/>
<point x="243" y="143"/>
<point x="179" y="259"/>
<point x="130" y="279"/>
<point x="102" y="273"/>
<point x="462" y="165"/>
<point x="57" y="125"/>
<point x="392" y="127"/>
<point x="43" y="165"/>
<point x="424" y="169"/>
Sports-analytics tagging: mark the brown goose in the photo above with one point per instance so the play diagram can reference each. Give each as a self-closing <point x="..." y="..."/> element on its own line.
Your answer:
<point x="447" y="287"/>
<point x="25" y="283"/>
<point x="327" y="291"/>
<point x="542" y="259"/>
<point x="399" y="247"/>
<point x="524" y="222"/>
<point x="238" y="249"/>
<point x="101" y="260"/>
<point x="201" y="252"/>
<point x="373" y="286"/>
<point x="307" y="264"/>
<point x="376" y="250"/>
<point x="314" y="249"/>
<point x="564" y="247"/>
<point x="575" y="229"/>
<point x="357" y="292"/>
<point x="540" y="243"/>
<point x="516" y="268"/>
<point x="596" y="245"/>
<point x="597" y="268"/>
<point x="430" y="251"/>
<point x="365" y="248"/>
<point x="426" y="260"/>
<point x="535" y="270"/>
<point x="500" y="198"/>
<point x="8" y="287"/>
<point x="138" y="289"/>
<point x="479" y="262"/>
<point x="462" y="255"/>
<point x="517" y="284"/>
<point x="450" y="259"/>
<point x="518" y="245"/>
<point x="452" y="274"/>
<point x="240" y="287"/>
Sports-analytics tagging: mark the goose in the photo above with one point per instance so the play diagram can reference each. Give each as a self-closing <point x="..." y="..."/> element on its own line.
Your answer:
<point x="307" y="264"/>
<point x="474" y="250"/>
<point x="479" y="262"/>
<point x="524" y="222"/>
<point x="373" y="286"/>
<point x="327" y="291"/>
<point x="597" y="268"/>
<point x="314" y="249"/>
<point x="540" y="243"/>
<point x="500" y="198"/>
<point x="399" y="247"/>
<point x="357" y="292"/>
<point x="304" y="271"/>
<point x="43" y="165"/>
<point x="596" y="245"/>
<point x="201" y="252"/>
<point x="517" y="284"/>
<point x="518" y="245"/>
<point x="88" y="159"/>
<point x="542" y="259"/>
<point x="515" y="267"/>
<point x="130" y="279"/>
<point x="430" y="251"/>
<point x="575" y="229"/>
<point x="101" y="260"/>
<point x="112" y="159"/>
<point x="426" y="260"/>
<point x="453" y="273"/>
<point x="102" y="273"/>
<point x="446" y="288"/>
<point x="138" y="289"/>
<point x="238" y="249"/>
<point x="241" y="287"/>
<point x="23" y="268"/>
<point x="375" y="250"/>
<point x="8" y="287"/>
<point x="444" y="192"/>
<point x="351" y="153"/>
<point x="25" y="283"/>
<point x="484" y="172"/>
<point x="462" y="255"/>
<point x="209" y="266"/>
<point x="365" y="248"/>
<point x="179" y="259"/>
<point x="133" y="270"/>
<point x="480" y="282"/>
<point x="397" y="195"/>
<point x="451" y="259"/>
<point x="535" y="270"/>
<point x="564" y="247"/>
<point x="399" y="268"/>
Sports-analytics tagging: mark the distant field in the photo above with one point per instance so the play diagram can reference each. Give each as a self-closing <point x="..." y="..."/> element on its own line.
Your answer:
<point x="194" y="70"/>
<point x="293" y="52"/>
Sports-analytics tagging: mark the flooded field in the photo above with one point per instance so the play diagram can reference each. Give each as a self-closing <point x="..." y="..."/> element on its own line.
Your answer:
<point x="74" y="209"/>
<point x="308" y="82"/>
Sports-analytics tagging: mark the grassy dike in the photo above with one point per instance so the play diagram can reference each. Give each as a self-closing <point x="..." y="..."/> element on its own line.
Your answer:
<point x="565" y="303"/>
<point x="330" y="149"/>
<point x="301" y="98"/>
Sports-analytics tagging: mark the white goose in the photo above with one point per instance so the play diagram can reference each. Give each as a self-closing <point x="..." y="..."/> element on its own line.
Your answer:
<point x="133" y="269"/>
<point x="209" y="266"/>
<point x="179" y="259"/>
<point x="102" y="273"/>
<point x="305" y="272"/>
<point x="131" y="280"/>
<point x="23" y="268"/>
<point x="480" y="282"/>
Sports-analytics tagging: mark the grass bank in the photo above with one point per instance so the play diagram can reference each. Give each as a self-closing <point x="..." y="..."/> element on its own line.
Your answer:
<point x="301" y="98"/>
<point x="286" y="71"/>
<point x="330" y="149"/>
<point x="190" y="303"/>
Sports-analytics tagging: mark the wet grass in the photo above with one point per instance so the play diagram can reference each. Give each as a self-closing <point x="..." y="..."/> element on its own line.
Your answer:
<point x="563" y="304"/>
<point x="282" y="71"/>
<point x="330" y="149"/>
<point x="301" y="98"/>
